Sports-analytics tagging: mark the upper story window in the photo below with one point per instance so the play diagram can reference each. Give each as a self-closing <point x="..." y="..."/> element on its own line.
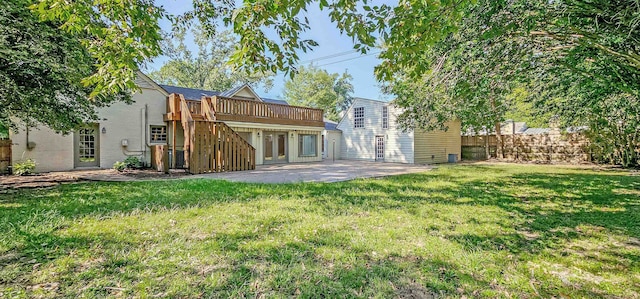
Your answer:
<point x="358" y="117"/>
<point x="158" y="134"/>
<point x="385" y="117"/>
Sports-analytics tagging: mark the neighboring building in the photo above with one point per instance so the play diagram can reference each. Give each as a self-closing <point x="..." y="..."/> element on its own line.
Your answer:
<point x="279" y="133"/>
<point x="370" y="132"/>
<point x="507" y="127"/>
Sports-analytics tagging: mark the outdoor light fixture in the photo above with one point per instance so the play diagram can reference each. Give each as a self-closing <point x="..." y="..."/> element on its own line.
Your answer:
<point x="104" y="130"/>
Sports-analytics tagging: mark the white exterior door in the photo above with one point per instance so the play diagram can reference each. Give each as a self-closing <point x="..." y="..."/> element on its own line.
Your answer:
<point x="379" y="148"/>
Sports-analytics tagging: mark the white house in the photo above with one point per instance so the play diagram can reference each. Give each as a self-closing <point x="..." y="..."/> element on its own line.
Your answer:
<point x="278" y="132"/>
<point x="369" y="132"/>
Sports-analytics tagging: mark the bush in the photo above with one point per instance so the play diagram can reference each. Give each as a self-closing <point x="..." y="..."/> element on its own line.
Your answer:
<point x="120" y="166"/>
<point x="133" y="162"/>
<point x="25" y="167"/>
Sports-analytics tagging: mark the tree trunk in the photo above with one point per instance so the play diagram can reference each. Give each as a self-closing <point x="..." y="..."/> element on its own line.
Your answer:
<point x="500" y="143"/>
<point x="486" y="145"/>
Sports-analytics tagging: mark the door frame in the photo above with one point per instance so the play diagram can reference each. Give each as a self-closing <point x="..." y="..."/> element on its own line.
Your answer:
<point x="76" y="147"/>
<point x="376" y="148"/>
<point x="274" y="148"/>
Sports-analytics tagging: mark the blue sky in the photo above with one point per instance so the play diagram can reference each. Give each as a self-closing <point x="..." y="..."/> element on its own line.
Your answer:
<point x="330" y="42"/>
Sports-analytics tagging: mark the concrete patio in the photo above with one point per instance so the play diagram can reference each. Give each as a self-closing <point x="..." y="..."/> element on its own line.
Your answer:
<point x="326" y="171"/>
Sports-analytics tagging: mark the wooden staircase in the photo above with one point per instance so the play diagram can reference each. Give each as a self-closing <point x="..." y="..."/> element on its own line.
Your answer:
<point x="210" y="145"/>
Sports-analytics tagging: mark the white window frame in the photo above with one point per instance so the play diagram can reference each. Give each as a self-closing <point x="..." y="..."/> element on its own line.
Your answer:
<point x="385" y="117"/>
<point x="152" y="134"/>
<point x="301" y="145"/>
<point x="358" y="117"/>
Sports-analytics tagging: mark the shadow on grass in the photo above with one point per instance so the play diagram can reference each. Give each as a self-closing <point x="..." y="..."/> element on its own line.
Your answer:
<point x="550" y="207"/>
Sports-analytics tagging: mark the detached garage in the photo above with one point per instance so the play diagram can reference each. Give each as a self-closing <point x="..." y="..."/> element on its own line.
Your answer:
<point x="370" y="132"/>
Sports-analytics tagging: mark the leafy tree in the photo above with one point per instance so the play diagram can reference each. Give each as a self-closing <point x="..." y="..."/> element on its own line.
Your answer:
<point x="41" y="70"/>
<point x="588" y="73"/>
<point x="123" y="37"/>
<point x="317" y="88"/>
<point x="523" y="109"/>
<point x="119" y="35"/>
<point x="4" y="132"/>
<point x="471" y="73"/>
<point x="208" y="67"/>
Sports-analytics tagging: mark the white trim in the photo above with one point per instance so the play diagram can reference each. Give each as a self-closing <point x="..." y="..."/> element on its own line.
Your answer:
<point x="247" y="86"/>
<point x="153" y="83"/>
<point x="268" y="127"/>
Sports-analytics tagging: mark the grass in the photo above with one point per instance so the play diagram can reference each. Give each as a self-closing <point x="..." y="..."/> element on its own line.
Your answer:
<point x="474" y="231"/>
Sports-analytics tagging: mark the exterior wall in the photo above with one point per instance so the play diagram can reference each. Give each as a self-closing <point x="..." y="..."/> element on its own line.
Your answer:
<point x="55" y="152"/>
<point x="257" y="134"/>
<point x="123" y="121"/>
<point x="359" y="143"/>
<point x="245" y="93"/>
<point x="332" y="141"/>
<point x="435" y="146"/>
<point x="294" y="150"/>
<point x="52" y="151"/>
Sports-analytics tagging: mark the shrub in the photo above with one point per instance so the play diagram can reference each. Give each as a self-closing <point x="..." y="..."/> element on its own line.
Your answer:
<point x="133" y="162"/>
<point x="120" y="166"/>
<point x="25" y="167"/>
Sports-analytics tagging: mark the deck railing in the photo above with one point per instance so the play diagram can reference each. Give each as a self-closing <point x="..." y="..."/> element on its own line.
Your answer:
<point x="238" y="110"/>
<point x="235" y="109"/>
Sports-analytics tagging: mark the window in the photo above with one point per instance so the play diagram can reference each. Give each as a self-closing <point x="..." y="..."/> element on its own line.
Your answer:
<point x="358" y="117"/>
<point x="158" y="134"/>
<point x="385" y="117"/>
<point x="307" y="145"/>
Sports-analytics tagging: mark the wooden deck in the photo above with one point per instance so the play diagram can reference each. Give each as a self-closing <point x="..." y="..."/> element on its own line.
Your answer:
<point x="237" y="110"/>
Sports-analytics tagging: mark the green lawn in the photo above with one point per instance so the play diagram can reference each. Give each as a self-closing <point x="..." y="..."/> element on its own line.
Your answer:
<point x="474" y="231"/>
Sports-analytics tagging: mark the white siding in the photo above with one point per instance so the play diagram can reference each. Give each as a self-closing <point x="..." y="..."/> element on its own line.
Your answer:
<point x="332" y="140"/>
<point x="435" y="146"/>
<point x="359" y="143"/>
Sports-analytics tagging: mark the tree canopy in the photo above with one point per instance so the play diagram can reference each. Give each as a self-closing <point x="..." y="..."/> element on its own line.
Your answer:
<point x="41" y="69"/>
<point x="314" y="87"/>
<point x="123" y="37"/>
<point x="207" y="68"/>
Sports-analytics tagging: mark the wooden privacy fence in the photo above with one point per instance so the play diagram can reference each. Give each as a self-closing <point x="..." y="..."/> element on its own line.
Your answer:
<point x="215" y="147"/>
<point x="545" y="148"/>
<point x="5" y="156"/>
<point x="474" y="147"/>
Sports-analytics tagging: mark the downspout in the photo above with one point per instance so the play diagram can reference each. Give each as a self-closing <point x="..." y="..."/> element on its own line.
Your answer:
<point x="146" y="132"/>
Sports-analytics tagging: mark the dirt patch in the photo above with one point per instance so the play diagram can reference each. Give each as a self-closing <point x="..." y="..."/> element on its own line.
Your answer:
<point x="152" y="174"/>
<point x="415" y="291"/>
<point x="10" y="183"/>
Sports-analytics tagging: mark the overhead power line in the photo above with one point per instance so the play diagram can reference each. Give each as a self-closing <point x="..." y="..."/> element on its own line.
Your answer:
<point x="329" y="56"/>
<point x="352" y="58"/>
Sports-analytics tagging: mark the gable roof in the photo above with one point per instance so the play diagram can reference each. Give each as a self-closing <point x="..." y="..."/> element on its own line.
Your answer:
<point x="190" y="93"/>
<point x="354" y="102"/>
<point x="142" y="80"/>
<point x="330" y="125"/>
<point x="196" y="94"/>
<point x="274" y="101"/>
<point x="233" y="91"/>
